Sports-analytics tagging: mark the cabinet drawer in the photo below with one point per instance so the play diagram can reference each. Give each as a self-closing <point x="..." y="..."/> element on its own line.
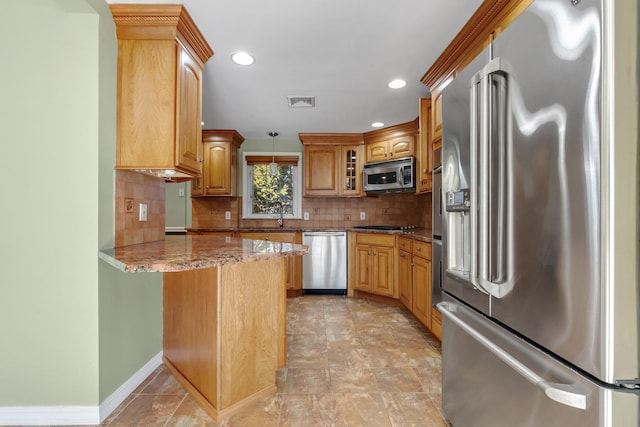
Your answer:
<point x="422" y="249"/>
<point x="404" y="244"/>
<point x="376" y="239"/>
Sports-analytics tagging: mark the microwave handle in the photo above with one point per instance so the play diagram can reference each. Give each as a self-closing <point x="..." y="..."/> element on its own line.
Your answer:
<point x="400" y="179"/>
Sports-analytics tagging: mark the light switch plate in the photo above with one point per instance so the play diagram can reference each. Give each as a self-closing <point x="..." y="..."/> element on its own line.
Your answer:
<point x="306" y="216"/>
<point x="143" y="212"/>
<point x="362" y="216"/>
<point x="227" y="215"/>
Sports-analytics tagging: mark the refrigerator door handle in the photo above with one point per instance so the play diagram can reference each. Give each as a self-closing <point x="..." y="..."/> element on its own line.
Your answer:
<point x="490" y="253"/>
<point x="566" y="394"/>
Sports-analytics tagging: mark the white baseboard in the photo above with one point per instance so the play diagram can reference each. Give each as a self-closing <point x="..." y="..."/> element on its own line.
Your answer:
<point x="77" y="415"/>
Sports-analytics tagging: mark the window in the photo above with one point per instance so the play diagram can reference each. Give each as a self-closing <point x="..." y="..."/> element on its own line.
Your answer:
<point x="267" y="191"/>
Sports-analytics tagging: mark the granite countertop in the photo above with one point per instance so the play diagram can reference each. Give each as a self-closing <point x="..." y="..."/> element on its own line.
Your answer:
<point x="420" y="234"/>
<point x="181" y="253"/>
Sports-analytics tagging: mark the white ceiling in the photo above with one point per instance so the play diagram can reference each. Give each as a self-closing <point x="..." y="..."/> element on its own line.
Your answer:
<point x="343" y="52"/>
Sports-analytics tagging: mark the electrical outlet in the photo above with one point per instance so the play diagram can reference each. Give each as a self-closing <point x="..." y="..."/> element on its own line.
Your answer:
<point x="362" y="216"/>
<point x="385" y="211"/>
<point x="306" y="216"/>
<point x="128" y="205"/>
<point x="143" y="212"/>
<point x="180" y="192"/>
<point x="347" y="217"/>
<point x="227" y="215"/>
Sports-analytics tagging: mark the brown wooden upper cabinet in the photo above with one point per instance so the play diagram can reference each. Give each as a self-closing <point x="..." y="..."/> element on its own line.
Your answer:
<point x="161" y="55"/>
<point x="332" y="164"/>
<point x="424" y="156"/>
<point x="392" y="142"/>
<point x="220" y="166"/>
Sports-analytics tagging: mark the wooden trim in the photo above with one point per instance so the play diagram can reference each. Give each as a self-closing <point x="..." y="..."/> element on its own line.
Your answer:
<point x="331" y="138"/>
<point x="222" y="135"/>
<point x="396" y="131"/>
<point x="266" y="159"/>
<point x="160" y="22"/>
<point x="491" y="18"/>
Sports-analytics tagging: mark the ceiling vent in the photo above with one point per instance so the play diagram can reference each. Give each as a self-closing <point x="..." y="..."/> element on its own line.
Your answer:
<point x="301" y="101"/>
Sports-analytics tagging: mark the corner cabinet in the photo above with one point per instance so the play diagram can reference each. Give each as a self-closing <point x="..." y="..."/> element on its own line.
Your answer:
<point x="393" y="142"/>
<point x="332" y="165"/>
<point x="161" y="55"/>
<point x="220" y="164"/>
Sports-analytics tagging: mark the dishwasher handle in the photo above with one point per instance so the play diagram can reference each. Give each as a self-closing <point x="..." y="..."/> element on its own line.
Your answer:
<point x="324" y="233"/>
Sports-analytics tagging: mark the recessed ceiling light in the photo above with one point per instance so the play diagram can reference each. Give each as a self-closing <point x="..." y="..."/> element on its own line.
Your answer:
<point x="242" y="58"/>
<point x="397" y="84"/>
<point x="377" y="124"/>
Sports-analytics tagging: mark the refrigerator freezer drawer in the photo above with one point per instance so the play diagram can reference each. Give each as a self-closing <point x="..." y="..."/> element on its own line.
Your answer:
<point x="491" y="378"/>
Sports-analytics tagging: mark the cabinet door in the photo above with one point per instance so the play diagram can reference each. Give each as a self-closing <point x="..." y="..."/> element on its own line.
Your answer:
<point x="424" y="148"/>
<point x="362" y="268"/>
<point x="436" y="118"/>
<point x="382" y="271"/>
<point x="189" y="113"/>
<point x="401" y="147"/>
<point x="217" y="179"/>
<point x="321" y="170"/>
<point x="422" y="290"/>
<point x="405" y="279"/>
<point x="377" y="151"/>
<point x="351" y="170"/>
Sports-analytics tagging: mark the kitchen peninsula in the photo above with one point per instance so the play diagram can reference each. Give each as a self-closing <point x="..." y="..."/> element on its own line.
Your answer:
<point x="224" y="313"/>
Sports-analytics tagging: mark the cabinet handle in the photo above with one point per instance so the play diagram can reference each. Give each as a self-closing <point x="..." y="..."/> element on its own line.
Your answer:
<point x="419" y="249"/>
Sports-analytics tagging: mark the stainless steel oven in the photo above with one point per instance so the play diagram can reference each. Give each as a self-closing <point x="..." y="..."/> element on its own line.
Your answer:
<point x="390" y="176"/>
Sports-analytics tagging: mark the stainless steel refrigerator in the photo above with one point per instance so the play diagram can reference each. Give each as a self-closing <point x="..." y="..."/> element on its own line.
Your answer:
<point x="531" y="333"/>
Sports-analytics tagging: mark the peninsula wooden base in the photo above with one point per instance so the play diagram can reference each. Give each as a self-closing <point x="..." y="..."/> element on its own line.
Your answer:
<point x="225" y="332"/>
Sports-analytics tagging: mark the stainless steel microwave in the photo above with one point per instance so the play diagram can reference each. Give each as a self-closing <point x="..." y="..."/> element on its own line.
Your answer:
<point x="390" y="176"/>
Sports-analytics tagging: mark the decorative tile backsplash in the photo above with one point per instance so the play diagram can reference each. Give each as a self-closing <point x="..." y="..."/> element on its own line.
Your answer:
<point x="133" y="189"/>
<point x="387" y="209"/>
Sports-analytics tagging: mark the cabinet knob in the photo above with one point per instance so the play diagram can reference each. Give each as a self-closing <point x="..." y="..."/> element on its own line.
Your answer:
<point x="419" y="249"/>
<point x="201" y="160"/>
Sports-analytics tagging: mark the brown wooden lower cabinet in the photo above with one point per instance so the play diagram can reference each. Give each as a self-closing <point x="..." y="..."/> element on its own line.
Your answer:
<point x="224" y="332"/>
<point x="372" y="257"/>
<point x="293" y="265"/>
<point x="414" y="278"/>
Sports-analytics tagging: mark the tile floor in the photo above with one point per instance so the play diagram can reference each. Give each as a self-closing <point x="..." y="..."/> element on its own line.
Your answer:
<point x="350" y="362"/>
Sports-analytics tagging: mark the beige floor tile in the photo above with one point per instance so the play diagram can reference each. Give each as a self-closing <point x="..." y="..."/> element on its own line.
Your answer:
<point x="350" y="380"/>
<point x="189" y="414"/>
<point x="350" y="363"/>
<point x="412" y="409"/>
<point x="398" y="380"/>
<point x="302" y="410"/>
<point x="148" y="410"/>
<point x="307" y="381"/>
<point x="163" y="383"/>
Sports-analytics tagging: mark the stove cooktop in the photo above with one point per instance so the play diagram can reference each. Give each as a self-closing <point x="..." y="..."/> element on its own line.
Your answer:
<point x="385" y="227"/>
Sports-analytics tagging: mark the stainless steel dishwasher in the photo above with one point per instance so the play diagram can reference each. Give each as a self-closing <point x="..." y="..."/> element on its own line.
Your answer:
<point x="324" y="268"/>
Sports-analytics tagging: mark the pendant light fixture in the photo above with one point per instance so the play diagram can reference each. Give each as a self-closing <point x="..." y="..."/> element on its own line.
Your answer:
<point x="273" y="167"/>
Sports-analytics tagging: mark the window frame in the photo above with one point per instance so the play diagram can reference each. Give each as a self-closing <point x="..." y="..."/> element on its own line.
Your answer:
<point x="247" y="187"/>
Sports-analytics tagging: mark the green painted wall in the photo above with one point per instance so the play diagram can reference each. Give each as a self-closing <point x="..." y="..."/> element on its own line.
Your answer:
<point x="71" y="330"/>
<point x="177" y="207"/>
